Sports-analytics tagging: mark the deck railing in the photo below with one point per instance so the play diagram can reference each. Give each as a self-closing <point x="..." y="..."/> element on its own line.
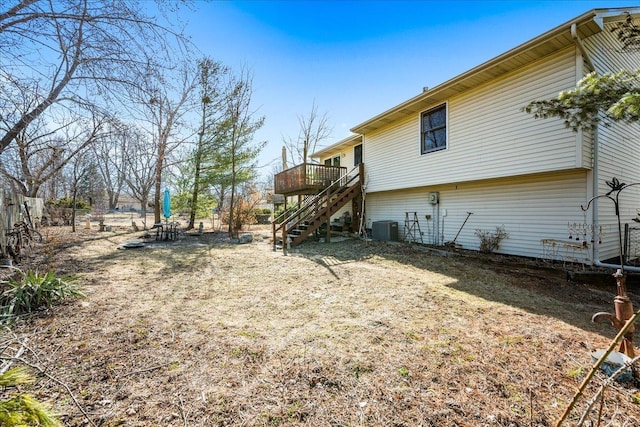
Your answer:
<point x="306" y="178"/>
<point x="292" y="217"/>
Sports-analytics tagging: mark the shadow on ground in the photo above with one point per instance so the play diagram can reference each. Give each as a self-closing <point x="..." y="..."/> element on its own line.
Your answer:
<point x="539" y="289"/>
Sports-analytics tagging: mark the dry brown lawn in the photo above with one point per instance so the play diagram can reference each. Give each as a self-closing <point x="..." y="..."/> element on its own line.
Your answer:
<point x="204" y="332"/>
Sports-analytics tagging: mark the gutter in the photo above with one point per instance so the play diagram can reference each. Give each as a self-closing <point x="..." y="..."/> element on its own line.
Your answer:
<point x="583" y="50"/>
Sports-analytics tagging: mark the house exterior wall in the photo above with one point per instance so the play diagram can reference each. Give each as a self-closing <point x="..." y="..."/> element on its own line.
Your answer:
<point x="531" y="208"/>
<point x="501" y="164"/>
<point x="128" y="203"/>
<point x="489" y="136"/>
<point x="532" y="176"/>
<point x="345" y="161"/>
<point x="618" y="147"/>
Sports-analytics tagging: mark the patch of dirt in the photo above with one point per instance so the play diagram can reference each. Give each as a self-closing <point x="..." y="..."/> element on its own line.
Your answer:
<point x="205" y="332"/>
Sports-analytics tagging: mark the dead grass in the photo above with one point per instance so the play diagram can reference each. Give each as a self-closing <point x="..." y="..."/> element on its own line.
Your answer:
<point x="202" y="332"/>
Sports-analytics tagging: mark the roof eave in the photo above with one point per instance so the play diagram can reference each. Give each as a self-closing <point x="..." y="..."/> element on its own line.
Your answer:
<point x="550" y="42"/>
<point x="349" y="141"/>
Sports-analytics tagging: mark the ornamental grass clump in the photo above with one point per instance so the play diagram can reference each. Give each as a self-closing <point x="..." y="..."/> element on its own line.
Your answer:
<point x="34" y="291"/>
<point x="18" y="409"/>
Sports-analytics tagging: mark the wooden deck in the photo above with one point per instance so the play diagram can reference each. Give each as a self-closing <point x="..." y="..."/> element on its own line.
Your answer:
<point x="306" y="178"/>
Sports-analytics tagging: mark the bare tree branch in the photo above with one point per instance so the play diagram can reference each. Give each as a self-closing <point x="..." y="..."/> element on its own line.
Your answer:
<point x="314" y="129"/>
<point x="75" y="51"/>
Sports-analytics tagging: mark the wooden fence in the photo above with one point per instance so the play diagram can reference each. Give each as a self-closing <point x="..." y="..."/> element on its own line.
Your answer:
<point x="14" y="208"/>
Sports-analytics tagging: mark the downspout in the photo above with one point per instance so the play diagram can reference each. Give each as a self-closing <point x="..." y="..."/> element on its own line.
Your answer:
<point x="578" y="42"/>
<point x="596" y="246"/>
<point x="594" y="211"/>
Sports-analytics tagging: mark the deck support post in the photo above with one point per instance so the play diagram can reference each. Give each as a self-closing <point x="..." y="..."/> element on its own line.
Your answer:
<point x="328" y="197"/>
<point x="284" y="239"/>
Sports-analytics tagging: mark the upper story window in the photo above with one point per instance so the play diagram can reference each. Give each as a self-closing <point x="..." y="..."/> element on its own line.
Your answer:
<point x="357" y="155"/>
<point x="433" y="129"/>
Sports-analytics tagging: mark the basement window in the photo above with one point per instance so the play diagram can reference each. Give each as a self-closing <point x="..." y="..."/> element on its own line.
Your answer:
<point x="433" y="129"/>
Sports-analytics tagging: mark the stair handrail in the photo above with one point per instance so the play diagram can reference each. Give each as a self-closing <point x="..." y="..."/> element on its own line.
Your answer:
<point x="279" y="223"/>
<point x="278" y="218"/>
<point x="311" y="201"/>
<point x="319" y="216"/>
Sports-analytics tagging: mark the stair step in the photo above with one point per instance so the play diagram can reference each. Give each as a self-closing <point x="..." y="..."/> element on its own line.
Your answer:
<point x="290" y="236"/>
<point x="316" y="218"/>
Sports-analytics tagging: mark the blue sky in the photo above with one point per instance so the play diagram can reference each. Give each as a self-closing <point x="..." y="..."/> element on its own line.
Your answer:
<point x="356" y="59"/>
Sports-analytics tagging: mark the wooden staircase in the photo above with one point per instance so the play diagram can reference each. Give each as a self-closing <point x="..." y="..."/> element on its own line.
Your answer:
<point x="291" y="229"/>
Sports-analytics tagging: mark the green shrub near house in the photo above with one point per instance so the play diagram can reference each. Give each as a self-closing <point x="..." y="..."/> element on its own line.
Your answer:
<point x="263" y="216"/>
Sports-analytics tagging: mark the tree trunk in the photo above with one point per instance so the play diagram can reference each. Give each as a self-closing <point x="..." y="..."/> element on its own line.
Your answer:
<point x="143" y="211"/>
<point x="73" y="209"/>
<point x="232" y="206"/>
<point x="233" y="191"/>
<point x="33" y="191"/>
<point x="156" y="197"/>
<point x="196" y="190"/>
<point x="113" y="199"/>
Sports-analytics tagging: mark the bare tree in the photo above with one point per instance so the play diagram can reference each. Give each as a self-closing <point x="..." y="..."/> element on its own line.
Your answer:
<point x="41" y="150"/>
<point x="140" y="160"/>
<point x="240" y="150"/>
<point x="73" y="52"/>
<point x="314" y="128"/>
<point x="211" y="104"/>
<point x="82" y="168"/>
<point x="166" y="101"/>
<point x="110" y="160"/>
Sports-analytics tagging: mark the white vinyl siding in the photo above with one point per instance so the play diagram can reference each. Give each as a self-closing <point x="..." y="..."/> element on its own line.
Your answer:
<point x="489" y="136"/>
<point x="618" y="144"/>
<point x="618" y="156"/>
<point x="346" y="161"/>
<point x="606" y="52"/>
<point x="531" y="209"/>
